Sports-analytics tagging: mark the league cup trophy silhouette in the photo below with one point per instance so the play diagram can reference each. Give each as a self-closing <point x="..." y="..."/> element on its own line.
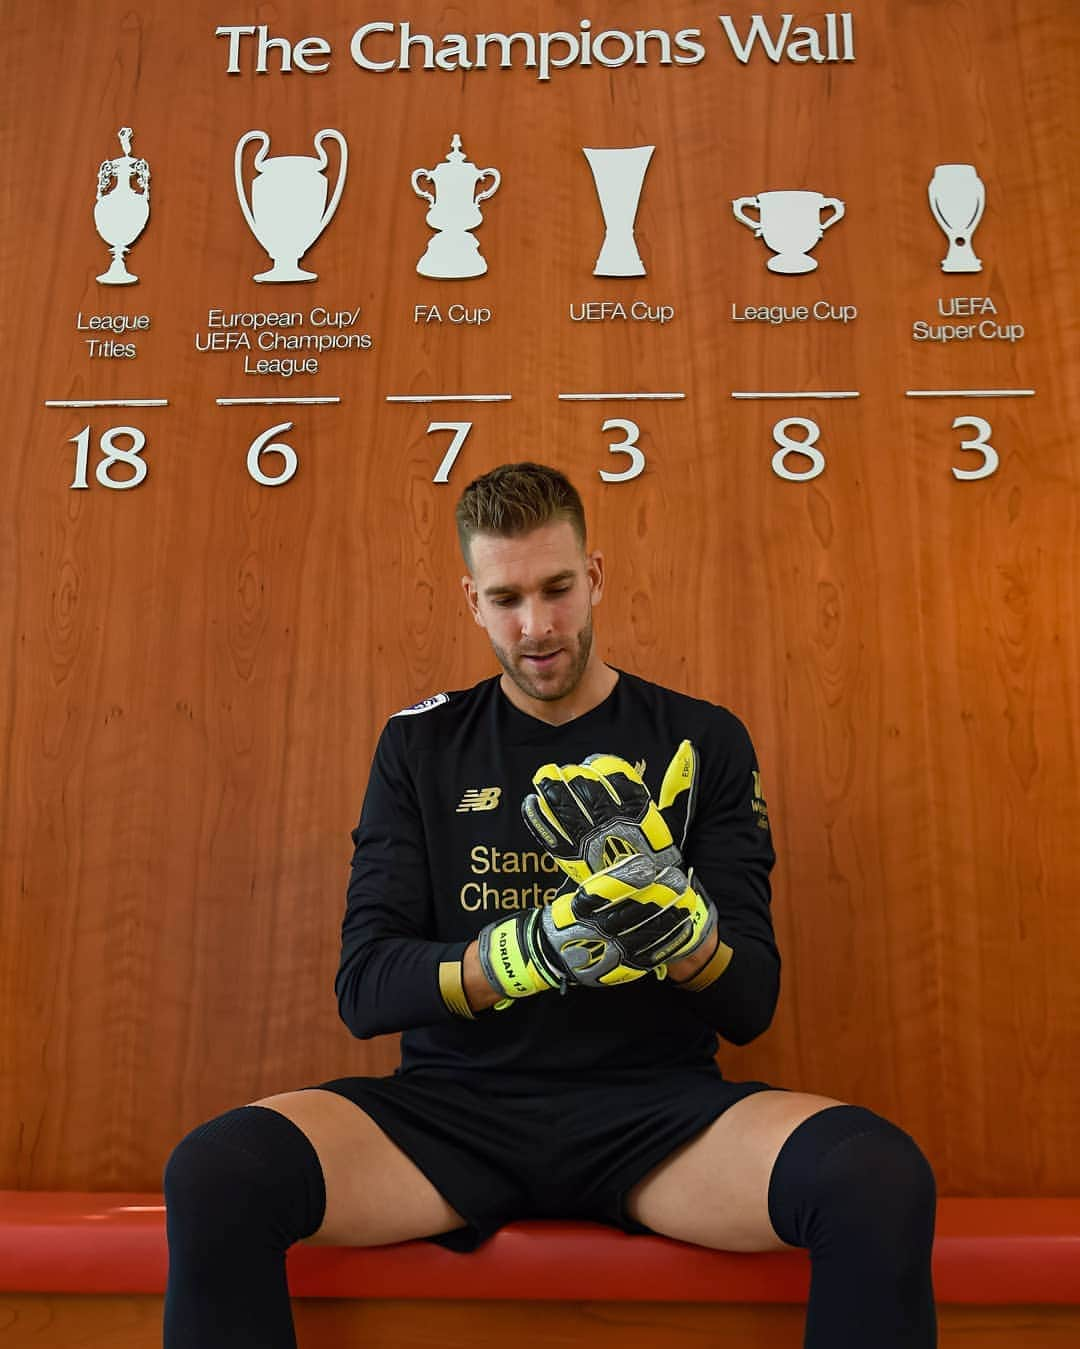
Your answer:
<point x="957" y="199"/>
<point x="455" y="210"/>
<point x="121" y="214"/>
<point x="619" y="176"/>
<point x="791" y="224"/>
<point x="288" y="208"/>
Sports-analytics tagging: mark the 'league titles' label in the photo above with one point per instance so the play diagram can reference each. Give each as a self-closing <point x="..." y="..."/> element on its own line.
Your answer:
<point x="108" y="347"/>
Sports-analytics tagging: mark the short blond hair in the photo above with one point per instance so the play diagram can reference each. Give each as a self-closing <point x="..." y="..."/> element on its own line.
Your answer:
<point x="515" y="499"/>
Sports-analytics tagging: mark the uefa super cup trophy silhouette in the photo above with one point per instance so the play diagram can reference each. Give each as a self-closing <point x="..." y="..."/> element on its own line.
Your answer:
<point x="791" y="223"/>
<point x="288" y="208"/>
<point x="452" y="251"/>
<point x="619" y="176"/>
<point x="957" y="199"/>
<point x="121" y="214"/>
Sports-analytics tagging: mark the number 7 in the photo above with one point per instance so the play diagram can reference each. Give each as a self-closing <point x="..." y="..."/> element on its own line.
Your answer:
<point x="460" y="430"/>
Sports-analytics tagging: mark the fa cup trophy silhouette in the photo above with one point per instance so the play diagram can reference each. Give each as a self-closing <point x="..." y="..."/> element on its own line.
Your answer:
<point x="455" y="210"/>
<point x="121" y="214"/>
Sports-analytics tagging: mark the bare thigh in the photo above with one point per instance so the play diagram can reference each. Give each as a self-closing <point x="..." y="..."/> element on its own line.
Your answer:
<point x="374" y="1193"/>
<point x="714" y="1190"/>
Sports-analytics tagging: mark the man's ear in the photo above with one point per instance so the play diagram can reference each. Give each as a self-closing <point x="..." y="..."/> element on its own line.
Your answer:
<point x="594" y="569"/>
<point x="471" y="599"/>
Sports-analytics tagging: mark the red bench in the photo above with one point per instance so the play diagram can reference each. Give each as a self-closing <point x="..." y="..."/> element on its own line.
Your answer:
<point x="987" y="1251"/>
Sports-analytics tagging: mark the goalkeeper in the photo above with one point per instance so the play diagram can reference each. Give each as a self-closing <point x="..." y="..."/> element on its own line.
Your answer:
<point x="560" y="897"/>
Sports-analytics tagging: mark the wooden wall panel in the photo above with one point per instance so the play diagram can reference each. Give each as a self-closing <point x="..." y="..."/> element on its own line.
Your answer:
<point x="197" y="670"/>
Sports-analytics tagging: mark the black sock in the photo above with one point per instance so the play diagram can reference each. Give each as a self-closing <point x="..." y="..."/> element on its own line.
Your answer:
<point x="239" y="1190"/>
<point x="857" y="1191"/>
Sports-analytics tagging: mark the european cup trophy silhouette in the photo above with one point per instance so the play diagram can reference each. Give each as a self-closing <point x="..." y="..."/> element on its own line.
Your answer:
<point x="619" y="176"/>
<point x="288" y="208"/>
<point x="958" y="199"/>
<point x="121" y="214"/>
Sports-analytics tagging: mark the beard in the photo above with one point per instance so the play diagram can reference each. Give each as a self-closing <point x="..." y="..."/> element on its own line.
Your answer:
<point x="562" y="680"/>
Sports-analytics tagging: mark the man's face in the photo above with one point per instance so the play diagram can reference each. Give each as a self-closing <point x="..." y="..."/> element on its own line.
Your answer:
<point x="533" y="595"/>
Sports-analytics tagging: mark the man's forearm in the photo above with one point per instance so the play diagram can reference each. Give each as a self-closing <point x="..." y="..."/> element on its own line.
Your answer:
<point x="477" y="989"/>
<point x="682" y="970"/>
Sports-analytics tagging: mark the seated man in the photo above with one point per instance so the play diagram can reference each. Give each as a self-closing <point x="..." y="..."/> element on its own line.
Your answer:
<point x="560" y="895"/>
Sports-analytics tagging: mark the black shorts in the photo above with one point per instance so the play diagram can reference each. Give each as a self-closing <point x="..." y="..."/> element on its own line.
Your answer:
<point x="499" y="1147"/>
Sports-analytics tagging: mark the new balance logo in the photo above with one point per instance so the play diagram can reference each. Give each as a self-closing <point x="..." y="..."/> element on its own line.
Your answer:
<point x="480" y="798"/>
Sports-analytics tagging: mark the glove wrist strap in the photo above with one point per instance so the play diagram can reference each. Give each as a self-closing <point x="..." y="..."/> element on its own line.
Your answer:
<point x="510" y="960"/>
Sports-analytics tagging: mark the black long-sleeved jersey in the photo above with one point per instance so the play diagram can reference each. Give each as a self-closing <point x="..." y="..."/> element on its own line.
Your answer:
<point x="441" y="850"/>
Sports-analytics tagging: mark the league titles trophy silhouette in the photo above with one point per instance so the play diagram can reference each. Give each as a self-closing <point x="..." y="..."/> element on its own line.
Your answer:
<point x="791" y="224"/>
<point x="957" y="199"/>
<point x="455" y="210"/>
<point x="619" y="176"/>
<point x="121" y="214"/>
<point x="288" y="208"/>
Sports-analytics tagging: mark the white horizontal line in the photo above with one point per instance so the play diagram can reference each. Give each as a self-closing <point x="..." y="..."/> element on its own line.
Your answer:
<point x="806" y="393"/>
<point x="448" y="398"/>
<point x="236" y="402"/>
<point x="969" y="393"/>
<point x="107" y="403"/>
<point x="604" y="397"/>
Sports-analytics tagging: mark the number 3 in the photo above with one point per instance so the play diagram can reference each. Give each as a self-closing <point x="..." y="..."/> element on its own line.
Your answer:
<point x="981" y="444"/>
<point x="628" y="446"/>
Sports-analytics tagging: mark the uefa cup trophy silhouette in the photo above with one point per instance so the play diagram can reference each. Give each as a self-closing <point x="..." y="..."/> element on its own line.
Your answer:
<point x="791" y="224"/>
<point x="453" y="252"/>
<point x="121" y="214"/>
<point x="288" y="208"/>
<point x="957" y="199"/>
<point x="619" y="176"/>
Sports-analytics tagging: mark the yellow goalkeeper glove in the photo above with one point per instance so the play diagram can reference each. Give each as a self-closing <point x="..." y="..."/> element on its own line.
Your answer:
<point x="589" y="815"/>
<point x="625" y="921"/>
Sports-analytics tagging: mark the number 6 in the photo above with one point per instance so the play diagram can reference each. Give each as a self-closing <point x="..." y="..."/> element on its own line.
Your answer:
<point x="259" y="447"/>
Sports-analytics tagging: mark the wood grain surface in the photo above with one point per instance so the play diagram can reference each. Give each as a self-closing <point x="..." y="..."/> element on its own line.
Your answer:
<point x="40" y="1322"/>
<point x="195" y="671"/>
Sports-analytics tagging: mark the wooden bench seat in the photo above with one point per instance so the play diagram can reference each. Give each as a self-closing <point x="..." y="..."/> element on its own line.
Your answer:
<point x="988" y="1252"/>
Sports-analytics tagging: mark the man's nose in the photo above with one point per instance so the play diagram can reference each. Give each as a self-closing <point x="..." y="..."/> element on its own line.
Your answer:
<point x="535" y="618"/>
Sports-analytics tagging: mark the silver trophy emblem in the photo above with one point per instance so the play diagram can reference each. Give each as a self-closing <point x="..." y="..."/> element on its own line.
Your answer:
<point x="957" y="199"/>
<point x="455" y="210"/>
<point x="288" y="208"/>
<point x="619" y="176"/>
<point x="121" y="214"/>
<point x="791" y="224"/>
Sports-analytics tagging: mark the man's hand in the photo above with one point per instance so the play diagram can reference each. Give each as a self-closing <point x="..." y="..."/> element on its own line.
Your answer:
<point x="626" y="921"/>
<point x="592" y="814"/>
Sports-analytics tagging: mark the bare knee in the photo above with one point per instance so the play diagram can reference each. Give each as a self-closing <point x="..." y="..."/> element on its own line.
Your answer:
<point x="374" y="1193"/>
